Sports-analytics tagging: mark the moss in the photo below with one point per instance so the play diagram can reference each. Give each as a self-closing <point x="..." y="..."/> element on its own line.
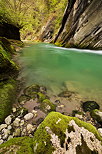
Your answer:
<point x="41" y="96"/>
<point x="7" y="66"/>
<point x="7" y="97"/>
<point x="47" y="106"/>
<point x="23" y="98"/>
<point x="41" y="136"/>
<point x="22" y="145"/>
<point x="31" y="89"/>
<point x="95" y="115"/>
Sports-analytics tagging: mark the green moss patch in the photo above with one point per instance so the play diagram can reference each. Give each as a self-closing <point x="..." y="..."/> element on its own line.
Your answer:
<point x="20" y="145"/>
<point x="95" y="114"/>
<point x="7" y="97"/>
<point x="41" y="141"/>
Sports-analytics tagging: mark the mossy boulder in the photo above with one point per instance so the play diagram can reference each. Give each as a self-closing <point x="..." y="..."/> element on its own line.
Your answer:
<point x="47" y="106"/>
<point x="31" y="89"/>
<point x="7" y="45"/>
<point x="41" y="97"/>
<point x="23" y="98"/>
<point x="89" y="106"/>
<point x="20" y="145"/>
<point x="7" y="66"/>
<point x="7" y="97"/>
<point x="51" y="134"/>
<point x="97" y="115"/>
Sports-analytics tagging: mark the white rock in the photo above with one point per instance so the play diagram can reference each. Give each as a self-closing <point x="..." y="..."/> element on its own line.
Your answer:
<point x="6" y="132"/>
<point x="29" y="127"/>
<point x="34" y="111"/>
<point x="79" y="116"/>
<point x="14" y="109"/>
<point x="1" y="141"/>
<point x="28" y="116"/>
<point x="0" y="137"/>
<point x="2" y="126"/>
<point x="22" y="123"/>
<point x="9" y="127"/>
<point x="8" y="120"/>
<point x="16" y="122"/>
<point x="11" y="136"/>
<point x="100" y="131"/>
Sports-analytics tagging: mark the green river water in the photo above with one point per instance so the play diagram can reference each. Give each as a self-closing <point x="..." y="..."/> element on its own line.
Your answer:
<point x="59" y="68"/>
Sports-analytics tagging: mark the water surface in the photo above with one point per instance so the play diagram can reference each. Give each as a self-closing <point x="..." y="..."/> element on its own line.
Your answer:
<point x="59" y="68"/>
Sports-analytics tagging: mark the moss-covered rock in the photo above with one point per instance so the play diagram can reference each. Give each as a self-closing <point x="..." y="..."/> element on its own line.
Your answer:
<point x="47" y="106"/>
<point x="55" y="126"/>
<point x="7" y="97"/>
<point x="20" y="145"/>
<point x="41" y="97"/>
<point x="74" y="112"/>
<point x="96" y="115"/>
<point x="31" y="89"/>
<point x="7" y="66"/>
<point x="90" y="105"/>
<point x="23" y="98"/>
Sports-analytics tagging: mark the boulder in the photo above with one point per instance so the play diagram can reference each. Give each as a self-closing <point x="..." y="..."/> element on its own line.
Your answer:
<point x="28" y="116"/>
<point x="90" y="105"/>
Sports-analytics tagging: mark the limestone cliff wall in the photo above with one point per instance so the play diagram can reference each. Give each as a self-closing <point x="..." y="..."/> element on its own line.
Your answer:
<point x="81" y="25"/>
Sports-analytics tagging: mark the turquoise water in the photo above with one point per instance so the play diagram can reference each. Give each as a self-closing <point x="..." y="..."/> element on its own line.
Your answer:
<point x="59" y="68"/>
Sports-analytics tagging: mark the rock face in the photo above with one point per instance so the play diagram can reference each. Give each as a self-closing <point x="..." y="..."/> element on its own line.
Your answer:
<point x="81" y="25"/>
<point x="9" y="31"/>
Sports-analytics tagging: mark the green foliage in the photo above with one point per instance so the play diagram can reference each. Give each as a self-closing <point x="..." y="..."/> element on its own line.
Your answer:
<point x="29" y="15"/>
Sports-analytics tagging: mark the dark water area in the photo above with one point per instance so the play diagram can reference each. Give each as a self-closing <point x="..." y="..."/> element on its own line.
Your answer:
<point x="60" y="68"/>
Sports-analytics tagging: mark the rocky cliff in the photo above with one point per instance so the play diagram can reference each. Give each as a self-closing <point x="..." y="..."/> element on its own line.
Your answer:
<point x="81" y="25"/>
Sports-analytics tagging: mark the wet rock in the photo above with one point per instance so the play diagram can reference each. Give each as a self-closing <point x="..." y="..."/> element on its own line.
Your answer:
<point x="43" y="90"/>
<point x="28" y="116"/>
<point x="41" y="97"/>
<point x="89" y="106"/>
<point x="66" y="94"/>
<point x="16" y="122"/>
<point x="8" y="120"/>
<point x="2" y="126"/>
<point x="74" y="112"/>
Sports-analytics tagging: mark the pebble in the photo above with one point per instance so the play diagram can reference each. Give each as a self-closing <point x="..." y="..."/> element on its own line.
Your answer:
<point x="17" y="132"/>
<point x="11" y="136"/>
<point x="2" y="126"/>
<point x="9" y="127"/>
<point x="14" y="109"/>
<point x="79" y="116"/>
<point x="16" y="122"/>
<point x="28" y="116"/>
<point x="29" y="128"/>
<point x="8" y="120"/>
<point x="6" y="132"/>
<point x="22" y="123"/>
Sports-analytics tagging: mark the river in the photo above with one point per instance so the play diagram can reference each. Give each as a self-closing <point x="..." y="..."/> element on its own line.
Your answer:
<point x="60" y="68"/>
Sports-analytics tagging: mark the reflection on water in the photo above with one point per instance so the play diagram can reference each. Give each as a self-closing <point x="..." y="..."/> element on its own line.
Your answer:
<point x="58" y="68"/>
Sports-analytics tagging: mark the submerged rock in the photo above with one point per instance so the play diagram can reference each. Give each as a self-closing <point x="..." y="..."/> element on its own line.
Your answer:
<point x="89" y="106"/>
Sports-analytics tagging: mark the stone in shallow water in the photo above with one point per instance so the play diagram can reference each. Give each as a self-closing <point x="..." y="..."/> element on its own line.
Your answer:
<point x="90" y="105"/>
